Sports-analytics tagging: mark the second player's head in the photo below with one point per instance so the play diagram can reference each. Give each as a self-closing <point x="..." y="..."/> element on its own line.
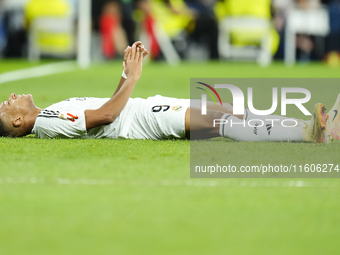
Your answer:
<point x="16" y="115"/>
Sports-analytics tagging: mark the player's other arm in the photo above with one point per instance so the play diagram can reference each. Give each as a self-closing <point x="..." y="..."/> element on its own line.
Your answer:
<point x="112" y="108"/>
<point x="140" y="47"/>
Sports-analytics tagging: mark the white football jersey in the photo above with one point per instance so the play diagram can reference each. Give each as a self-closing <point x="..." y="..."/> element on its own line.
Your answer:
<point x="66" y="119"/>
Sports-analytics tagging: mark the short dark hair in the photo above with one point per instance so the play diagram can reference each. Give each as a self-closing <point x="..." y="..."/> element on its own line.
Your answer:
<point x="3" y="130"/>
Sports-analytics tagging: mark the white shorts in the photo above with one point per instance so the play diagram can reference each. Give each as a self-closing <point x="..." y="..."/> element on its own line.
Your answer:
<point x="159" y="117"/>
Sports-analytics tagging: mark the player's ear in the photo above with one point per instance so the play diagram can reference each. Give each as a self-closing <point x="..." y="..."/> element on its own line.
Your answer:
<point x="17" y="121"/>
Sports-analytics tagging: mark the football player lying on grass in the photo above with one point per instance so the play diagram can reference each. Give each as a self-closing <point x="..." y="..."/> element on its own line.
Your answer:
<point x="153" y="118"/>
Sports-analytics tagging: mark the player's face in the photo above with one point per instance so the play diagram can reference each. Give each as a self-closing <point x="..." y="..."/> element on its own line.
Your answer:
<point x="15" y="106"/>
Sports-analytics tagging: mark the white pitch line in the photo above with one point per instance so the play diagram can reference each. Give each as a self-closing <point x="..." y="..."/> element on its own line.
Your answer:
<point x="174" y="183"/>
<point x="38" y="71"/>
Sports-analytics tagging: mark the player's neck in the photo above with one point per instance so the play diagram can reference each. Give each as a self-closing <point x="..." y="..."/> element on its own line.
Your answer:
<point x="31" y="118"/>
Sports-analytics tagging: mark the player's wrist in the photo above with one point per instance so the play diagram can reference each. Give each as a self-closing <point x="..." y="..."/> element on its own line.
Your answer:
<point x="134" y="78"/>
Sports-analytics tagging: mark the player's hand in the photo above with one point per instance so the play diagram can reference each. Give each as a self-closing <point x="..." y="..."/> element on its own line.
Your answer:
<point x="140" y="47"/>
<point x="126" y="51"/>
<point x="133" y="62"/>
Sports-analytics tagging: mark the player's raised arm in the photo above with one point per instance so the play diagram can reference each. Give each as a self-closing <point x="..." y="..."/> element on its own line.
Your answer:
<point x="145" y="52"/>
<point x="111" y="109"/>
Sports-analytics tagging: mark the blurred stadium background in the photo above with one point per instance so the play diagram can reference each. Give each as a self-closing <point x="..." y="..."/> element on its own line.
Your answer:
<point x="174" y="30"/>
<point x="136" y="197"/>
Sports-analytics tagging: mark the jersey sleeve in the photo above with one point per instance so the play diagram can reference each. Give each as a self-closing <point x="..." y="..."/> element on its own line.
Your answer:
<point x="55" y="124"/>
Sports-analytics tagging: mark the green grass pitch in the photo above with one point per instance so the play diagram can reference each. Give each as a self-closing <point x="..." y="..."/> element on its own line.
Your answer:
<point x="135" y="197"/>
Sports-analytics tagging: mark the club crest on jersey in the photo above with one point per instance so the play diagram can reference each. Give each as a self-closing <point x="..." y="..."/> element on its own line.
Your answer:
<point x="177" y="108"/>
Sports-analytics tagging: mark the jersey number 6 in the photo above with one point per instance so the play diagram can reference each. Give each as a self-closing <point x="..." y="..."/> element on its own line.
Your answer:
<point x="158" y="108"/>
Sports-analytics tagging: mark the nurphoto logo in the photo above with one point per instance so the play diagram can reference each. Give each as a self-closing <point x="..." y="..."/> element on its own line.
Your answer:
<point x="238" y="104"/>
